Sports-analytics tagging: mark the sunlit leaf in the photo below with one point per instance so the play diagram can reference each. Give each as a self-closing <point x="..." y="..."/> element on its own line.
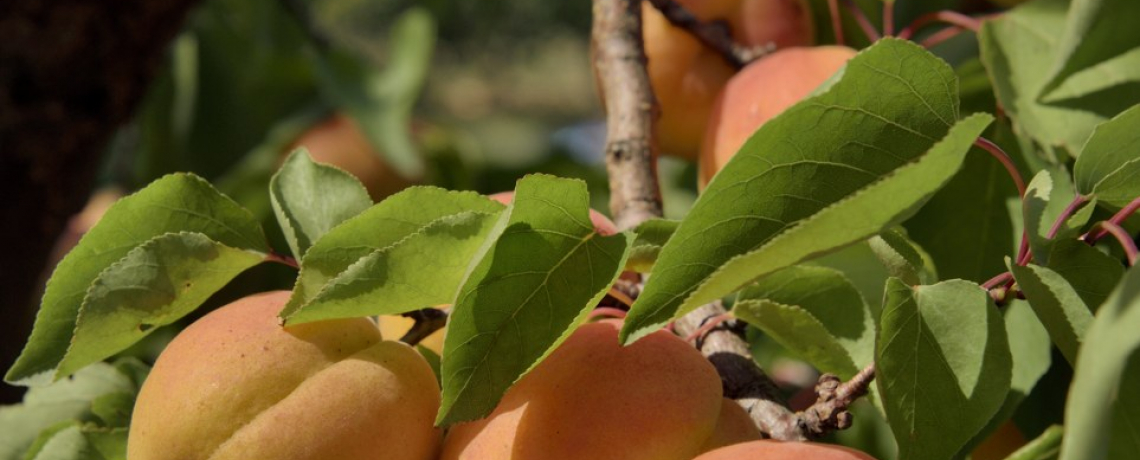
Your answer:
<point x="310" y="199"/>
<point x="1109" y="168"/>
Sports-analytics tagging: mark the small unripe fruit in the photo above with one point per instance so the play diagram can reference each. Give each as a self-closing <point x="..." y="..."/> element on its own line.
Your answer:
<point x="236" y="385"/>
<point x="778" y="450"/>
<point x="657" y="399"/>
<point x="760" y="92"/>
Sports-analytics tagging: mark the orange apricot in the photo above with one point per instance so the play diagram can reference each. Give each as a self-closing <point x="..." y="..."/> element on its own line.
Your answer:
<point x="768" y="449"/>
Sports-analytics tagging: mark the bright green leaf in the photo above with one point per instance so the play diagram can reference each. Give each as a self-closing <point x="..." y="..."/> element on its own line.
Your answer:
<point x="819" y="299"/>
<point x="1100" y="48"/>
<point x="156" y="284"/>
<point x="174" y="203"/>
<point x="423" y="270"/>
<point x="651" y="235"/>
<point x="1019" y="49"/>
<point x="376" y="228"/>
<point x="545" y="272"/>
<point x="1104" y="399"/>
<point x="944" y="365"/>
<point x="309" y="199"/>
<point x="1109" y="167"/>
<point x="898" y="254"/>
<point x="1058" y="306"/>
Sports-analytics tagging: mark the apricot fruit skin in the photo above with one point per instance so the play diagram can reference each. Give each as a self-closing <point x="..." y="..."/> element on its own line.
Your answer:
<point x="339" y="141"/>
<point x="687" y="76"/>
<point x="760" y="92"/>
<point x="658" y="398"/>
<point x="768" y="449"/>
<point x="235" y="385"/>
<point x="733" y="426"/>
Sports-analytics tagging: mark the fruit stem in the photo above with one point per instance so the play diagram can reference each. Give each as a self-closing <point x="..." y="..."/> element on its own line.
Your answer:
<point x="1117" y="219"/>
<point x="1122" y="236"/>
<point x="861" y="18"/>
<point x="836" y="22"/>
<point x="949" y="17"/>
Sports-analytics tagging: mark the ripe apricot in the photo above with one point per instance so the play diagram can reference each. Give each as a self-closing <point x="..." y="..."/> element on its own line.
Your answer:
<point x="734" y="426"/>
<point x="236" y="385"/>
<point x="768" y="449"/>
<point x="339" y="141"/>
<point x="658" y="398"/>
<point x="761" y="91"/>
<point x="686" y="75"/>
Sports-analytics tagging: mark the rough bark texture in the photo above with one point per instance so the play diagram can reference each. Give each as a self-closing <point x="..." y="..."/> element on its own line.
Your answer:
<point x="71" y="71"/>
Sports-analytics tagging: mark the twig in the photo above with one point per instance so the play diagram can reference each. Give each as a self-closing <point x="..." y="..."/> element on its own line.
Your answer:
<point x="428" y="321"/>
<point x="836" y="22"/>
<point x="1122" y="236"/>
<point x="619" y="61"/>
<point x="715" y="34"/>
<point x="888" y="18"/>
<point x="862" y="20"/>
<point x="829" y="413"/>
<point x="1005" y="160"/>
<point x="1117" y="219"/>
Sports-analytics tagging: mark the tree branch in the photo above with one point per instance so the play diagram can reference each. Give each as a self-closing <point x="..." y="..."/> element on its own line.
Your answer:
<point x="829" y="413"/>
<point x="428" y="320"/>
<point x="715" y="35"/>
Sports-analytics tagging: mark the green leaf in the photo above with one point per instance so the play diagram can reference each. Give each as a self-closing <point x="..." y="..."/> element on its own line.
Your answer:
<point x="174" y="203"/>
<point x="382" y="102"/>
<point x="1092" y="273"/>
<point x="1057" y="304"/>
<point x="944" y="365"/>
<point x="545" y="272"/>
<point x="650" y="236"/>
<point x="1018" y="50"/>
<point x="901" y="259"/>
<point x="1109" y="168"/>
<point x="155" y="284"/>
<point x="1046" y="197"/>
<point x="80" y="442"/>
<point x="815" y="312"/>
<point x="68" y="399"/>
<point x="1047" y="446"/>
<point x="378" y="227"/>
<point x="1104" y="399"/>
<point x="1031" y="351"/>
<point x="716" y="232"/>
<point x="965" y="227"/>
<point x="433" y="359"/>
<point x="423" y="270"/>
<point x="1100" y="48"/>
<point x="310" y="199"/>
<point x="114" y="409"/>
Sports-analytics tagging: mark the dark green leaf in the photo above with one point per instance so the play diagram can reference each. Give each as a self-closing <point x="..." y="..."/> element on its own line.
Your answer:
<point x="1104" y="400"/>
<point x="310" y="199"/>
<point x="175" y="203"/>
<point x="543" y="275"/>
<point x="1092" y="273"/>
<point x="1058" y="306"/>
<point x="1100" y="48"/>
<point x="1109" y="168"/>
<point x="944" y="365"/>
<point x="420" y="271"/>
<point x="378" y="227"/>
<point x="156" y="284"/>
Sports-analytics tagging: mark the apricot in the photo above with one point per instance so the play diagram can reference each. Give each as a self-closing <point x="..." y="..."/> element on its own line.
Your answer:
<point x="235" y="385"/>
<point x="768" y="449"/>
<point x="602" y="224"/>
<point x="594" y="399"/>
<point x="734" y="426"/>
<point x="760" y="92"/>
<point x="686" y="75"/>
<point x="339" y="141"/>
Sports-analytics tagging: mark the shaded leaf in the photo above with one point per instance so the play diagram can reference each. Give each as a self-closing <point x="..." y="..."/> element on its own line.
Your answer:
<point x="1046" y="197"/>
<point x="1109" y="168"/>
<point x="1104" y="400"/>
<point x="944" y="365"/>
<point x="155" y="284"/>
<point x="1057" y="304"/>
<point x="901" y="259"/>
<point x="376" y="228"/>
<point x="547" y="269"/>
<point x="1100" y="48"/>
<point x="81" y="442"/>
<point x="1047" y="446"/>
<point x="174" y="203"/>
<point x="309" y="199"/>
<point x="1093" y="274"/>
<point x="650" y="236"/>
<point x="423" y="270"/>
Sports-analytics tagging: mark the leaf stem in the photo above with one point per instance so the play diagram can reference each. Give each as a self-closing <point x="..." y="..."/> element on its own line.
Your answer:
<point x="997" y="280"/>
<point x="942" y="35"/>
<point x="714" y="35"/>
<point x="836" y="22"/>
<point x="1121" y="236"/>
<point x="1117" y="219"/>
<point x="888" y="18"/>
<point x="1024" y="256"/>
<point x="953" y="18"/>
<point x="282" y="259"/>
<point x="862" y="20"/>
<point x="1005" y="160"/>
